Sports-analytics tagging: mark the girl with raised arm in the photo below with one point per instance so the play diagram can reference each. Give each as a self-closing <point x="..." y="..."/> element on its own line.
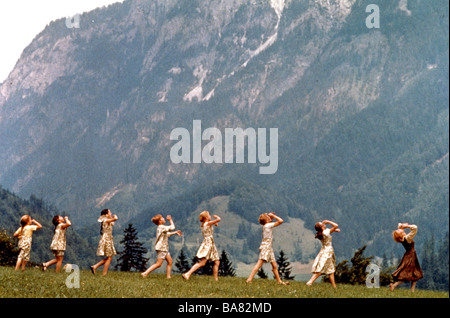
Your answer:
<point x="58" y="245"/>
<point x="106" y="244"/>
<point x="24" y="233"/>
<point x="207" y="251"/>
<point x="409" y="268"/>
<point x="163" y="232"/>
<point x="325" y="261"/>
<point x="266" y="254"/>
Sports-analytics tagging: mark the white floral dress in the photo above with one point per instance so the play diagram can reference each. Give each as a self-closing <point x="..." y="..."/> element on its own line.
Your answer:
<point x="325" y="260"/>
<point x="106" y="244"/>
<point x="266" y="249"/>
<point x="59" y="239"/>
<point x="208" y="249"/>
<point x="25" y="240"/>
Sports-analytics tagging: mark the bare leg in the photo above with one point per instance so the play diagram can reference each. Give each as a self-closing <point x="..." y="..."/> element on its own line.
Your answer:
<point x="106" y="265"/>
<point x="276" y="273"/>
<point x="24" y="264"/>
<point x="332" y="281"/>
<point x="413" y="286"/>
<point x="158" y="264"/>
<point x="216" y="270"/>
<point x="18" y="264"/>
<point x="59" y="260"/>
<point x="94" y="267"/>
<point x="313" y="278"/>
<point x="169" y="266"/>
<point x="188" y="274"/>
<point x="49" y="263"/>
<point x="392" y="286"/>
<point x="255" y="269"/>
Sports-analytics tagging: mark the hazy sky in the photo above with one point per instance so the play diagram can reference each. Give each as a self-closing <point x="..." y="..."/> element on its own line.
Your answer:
<point x="22" y="20"/>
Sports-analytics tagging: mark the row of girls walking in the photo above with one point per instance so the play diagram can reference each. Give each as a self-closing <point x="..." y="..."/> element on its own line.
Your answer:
<point x="324" y="263"/>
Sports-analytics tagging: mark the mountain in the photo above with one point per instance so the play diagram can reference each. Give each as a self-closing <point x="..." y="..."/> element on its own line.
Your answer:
<point x="86" y="115"/>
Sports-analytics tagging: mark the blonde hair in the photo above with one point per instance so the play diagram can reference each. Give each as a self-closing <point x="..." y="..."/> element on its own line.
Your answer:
<point x="156" y="219"/>
<point x="202" y="217"/>
<point x="398" y="235"/>
<point x="24" y="221"/>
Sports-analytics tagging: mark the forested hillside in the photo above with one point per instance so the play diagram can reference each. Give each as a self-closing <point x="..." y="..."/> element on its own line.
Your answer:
<point x="11" y="210"/>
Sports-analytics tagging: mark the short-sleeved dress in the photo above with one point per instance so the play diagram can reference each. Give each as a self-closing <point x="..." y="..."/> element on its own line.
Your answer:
<point x="25" y="240"/>
<point x="265" y="249"/>
<point x="325" y="261"/>
<point x="409" y="267"/>
<point x="208" y="249"/>
<point x="106" y="244"/>
<point x="58" y="245"/>
<point x="162" y="240"/>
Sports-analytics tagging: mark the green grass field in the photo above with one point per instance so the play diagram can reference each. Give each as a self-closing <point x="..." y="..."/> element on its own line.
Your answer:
<point x="34" y="283"/>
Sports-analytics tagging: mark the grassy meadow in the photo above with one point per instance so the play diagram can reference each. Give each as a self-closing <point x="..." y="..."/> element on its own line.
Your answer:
<point x="34" y="283"/>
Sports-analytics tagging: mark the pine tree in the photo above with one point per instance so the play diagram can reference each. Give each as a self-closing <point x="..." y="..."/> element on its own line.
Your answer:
<point x="359" y="266"/>
<point x="132" y="257"/>
<point x="226" y="266"/>
<point x="356" y="274"/>
<point x="261" y="273"/>
<point x="182" y="263"/>
<point x="284" y="267"/>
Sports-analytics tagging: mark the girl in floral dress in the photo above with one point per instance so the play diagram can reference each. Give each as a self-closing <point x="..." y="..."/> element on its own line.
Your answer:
<point x="324" y="262"/>
<point x="266" y="254"/>
<point x="106" y="244"/>
<point x="24" y="234"/>
<point x="207" y="250"/>
<point x="58" y="245"/>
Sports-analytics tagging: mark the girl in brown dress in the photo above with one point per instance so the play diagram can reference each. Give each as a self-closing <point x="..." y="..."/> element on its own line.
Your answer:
<point x="409" y="268"/>
<point x="106" y="244"/>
